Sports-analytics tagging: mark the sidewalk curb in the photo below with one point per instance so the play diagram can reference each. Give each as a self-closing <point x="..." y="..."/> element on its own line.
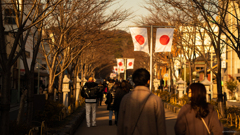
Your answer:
<point x="72" y="125"/>
<point x="171" y="107"/>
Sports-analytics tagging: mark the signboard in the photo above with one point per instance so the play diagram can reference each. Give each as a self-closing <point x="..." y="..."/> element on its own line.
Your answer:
<point x="223" y="63"/>
<point x="156" y="84"/>
<point x="112" y="75"/>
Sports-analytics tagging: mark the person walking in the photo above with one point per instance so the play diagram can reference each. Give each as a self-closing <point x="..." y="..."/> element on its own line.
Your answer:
<point x="198" y="117"/>
<point x="90" y="93"/>
<point x="110" y="101"/>
<point x="120" y="92"/>
<point x="141" y="112"/>
<point x="100" y="93"/>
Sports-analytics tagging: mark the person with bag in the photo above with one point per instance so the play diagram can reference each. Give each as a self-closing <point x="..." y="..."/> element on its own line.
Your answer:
<point x="198" y="117"/>
<point x="141" y="112"/>
<point x="90" y="92"/>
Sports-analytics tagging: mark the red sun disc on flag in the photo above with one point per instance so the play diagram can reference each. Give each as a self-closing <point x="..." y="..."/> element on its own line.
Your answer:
<point x="130" y="64"/>
<point x="120" y="64"/>
<point x="115" y="69"/>
<point x="140" y="39"/>
<point x="164" y="39"/>
<point x="121" y="69"/>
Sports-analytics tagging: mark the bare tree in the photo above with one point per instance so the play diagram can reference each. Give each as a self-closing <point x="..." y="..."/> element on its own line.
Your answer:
<point x="74" y="29"/>
<point x="26" y="15"/>
<point x="202" y="14"/>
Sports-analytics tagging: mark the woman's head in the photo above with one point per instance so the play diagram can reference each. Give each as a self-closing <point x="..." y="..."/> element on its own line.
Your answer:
<point x="197" y="93"/>
<point x="124" y="86"/>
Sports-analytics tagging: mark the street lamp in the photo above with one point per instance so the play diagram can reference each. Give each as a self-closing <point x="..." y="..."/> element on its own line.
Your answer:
<point x="181" y="87"/>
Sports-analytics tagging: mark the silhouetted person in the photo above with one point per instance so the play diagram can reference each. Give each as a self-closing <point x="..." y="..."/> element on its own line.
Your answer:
<point x="141" y="112"/>
<point x="191" y="118"/>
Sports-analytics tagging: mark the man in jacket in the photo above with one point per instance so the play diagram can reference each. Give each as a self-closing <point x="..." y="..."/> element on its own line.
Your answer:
<point x="141" y="112"/>
<point x="90" y="93"/>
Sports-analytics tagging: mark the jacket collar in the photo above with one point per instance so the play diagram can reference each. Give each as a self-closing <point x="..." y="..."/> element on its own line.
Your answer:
<point x="138" y="88"/>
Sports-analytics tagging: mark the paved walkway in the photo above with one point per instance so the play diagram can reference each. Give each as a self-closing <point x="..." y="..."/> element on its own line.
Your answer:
<point x="103" y="128"/>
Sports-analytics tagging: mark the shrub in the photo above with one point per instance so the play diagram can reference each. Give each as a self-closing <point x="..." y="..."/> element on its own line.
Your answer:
<point x="20" y="129"/>
<point x="51" y="113"/>
<point x="231" y="85"/>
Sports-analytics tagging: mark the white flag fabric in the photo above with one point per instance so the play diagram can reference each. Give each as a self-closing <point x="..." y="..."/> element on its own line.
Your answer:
<point x="120" y="63"/>
<point x="130" y="63"/>
<point x="122" y="69"/>
<point x="140" y="39"/>
<point x="164" y="38"/>
<point x="115" y="68"/>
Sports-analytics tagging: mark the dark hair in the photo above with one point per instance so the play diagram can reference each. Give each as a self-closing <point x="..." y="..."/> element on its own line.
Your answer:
<point x="198" y="100"/>
<point x="111" y="81"/>
<point x="124" y="86"/>
<point x="140" y="77"/>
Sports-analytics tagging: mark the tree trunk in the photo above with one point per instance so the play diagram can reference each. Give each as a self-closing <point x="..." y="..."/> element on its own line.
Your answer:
<point x="5" y="102"/>
<point x="60" y="82"/>
<point x="190" y="72"/>
<point x="21" y="107"/>
<point x="219" y="88"/>
<point x="50" y="81"/>
<point x="30" y="94"/>
<point x="171" y="79"/>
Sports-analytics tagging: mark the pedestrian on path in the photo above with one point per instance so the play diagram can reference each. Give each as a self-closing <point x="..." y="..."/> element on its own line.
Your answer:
<point x="198" y="117"/>
<point x="141" y="112"/>
<point x="100" y="94"/>
<point x="122" y="90"/>
<point x="90" y="93"/>
<point x="110" y="101"/>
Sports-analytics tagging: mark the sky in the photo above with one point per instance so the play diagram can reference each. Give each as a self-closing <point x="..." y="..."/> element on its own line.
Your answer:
<point x="135" y="7"/>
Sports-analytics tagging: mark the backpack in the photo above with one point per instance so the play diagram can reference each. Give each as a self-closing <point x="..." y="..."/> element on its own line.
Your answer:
<point x="90" y="92"/>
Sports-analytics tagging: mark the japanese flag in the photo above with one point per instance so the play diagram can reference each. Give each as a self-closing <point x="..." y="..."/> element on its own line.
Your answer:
<point x="115" y="68"/>
<point x="130" y="63"/>
<point x="164" y="39"/>
<point x="122" y="69"/>
<point x="120" y="63"/>
<point x="140" y="39"/>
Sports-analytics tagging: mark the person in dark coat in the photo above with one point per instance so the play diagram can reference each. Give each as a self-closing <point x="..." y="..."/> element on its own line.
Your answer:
<point x="192" y="116"/>
<point x="120" y="92"/>
<point x="110" y="100"/>
<point x="90" y="100"/>
<point x="100" y="94"/>
<point x="141" y="112"/>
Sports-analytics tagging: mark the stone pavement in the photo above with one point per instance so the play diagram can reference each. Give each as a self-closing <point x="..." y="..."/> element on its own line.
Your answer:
<point x="103" y="128"/>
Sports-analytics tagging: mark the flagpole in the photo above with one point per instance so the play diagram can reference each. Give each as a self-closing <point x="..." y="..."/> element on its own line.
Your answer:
<point x="125" y="65"/>
<point x="150" y="85"/>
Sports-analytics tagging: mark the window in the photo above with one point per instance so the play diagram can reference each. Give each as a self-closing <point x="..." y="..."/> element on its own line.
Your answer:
<point x="9" y="16"/>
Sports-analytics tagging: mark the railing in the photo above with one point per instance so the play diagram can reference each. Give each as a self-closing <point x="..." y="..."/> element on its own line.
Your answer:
<point x="35" y="130"/>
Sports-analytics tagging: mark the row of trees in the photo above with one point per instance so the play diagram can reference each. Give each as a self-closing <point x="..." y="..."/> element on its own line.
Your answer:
<point x="199" y="26"/>
<point x="69" y="34"/>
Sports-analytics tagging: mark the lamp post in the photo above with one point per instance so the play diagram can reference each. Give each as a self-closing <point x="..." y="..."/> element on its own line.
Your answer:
<point x="84" y="80"/>
<point x="181" y="87"/>
<point x="77" y="91"/>
<point x="65" y="90"/>
<point x="207" y="85"/>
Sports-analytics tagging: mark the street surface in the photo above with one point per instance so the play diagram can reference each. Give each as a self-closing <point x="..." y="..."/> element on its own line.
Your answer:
<point x="103" y="128"/>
